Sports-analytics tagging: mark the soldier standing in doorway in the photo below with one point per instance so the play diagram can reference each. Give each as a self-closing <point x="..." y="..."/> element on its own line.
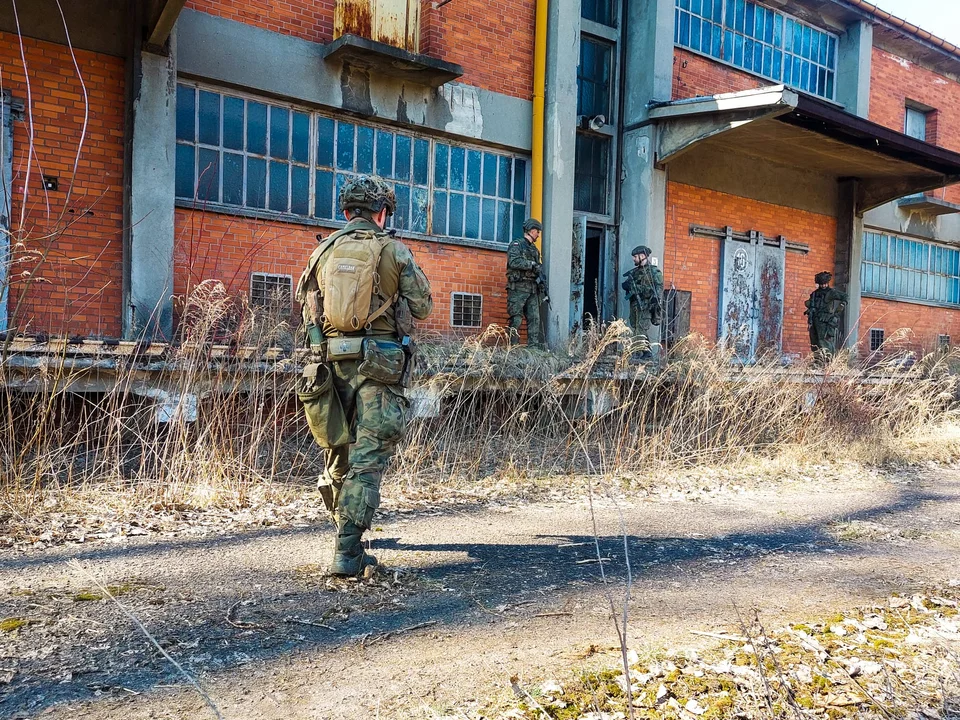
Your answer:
<point x="526" y="285"/>
<point x="644" y="289"/>
<point x="824" y="310"/>
<point x="359" y="290"/>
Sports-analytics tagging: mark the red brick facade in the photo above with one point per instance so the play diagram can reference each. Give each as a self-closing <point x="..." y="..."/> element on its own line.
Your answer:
<point x="311" y="21"/>
<point x="213" y="246"/>
<point x="695" y="76"/>
<point x="923" y="323"/>
<point x="67" y="255"/>
<point x="693" y="262"/>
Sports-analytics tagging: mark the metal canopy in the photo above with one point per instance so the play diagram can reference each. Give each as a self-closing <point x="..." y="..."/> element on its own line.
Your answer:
<point x="781" y="125"/>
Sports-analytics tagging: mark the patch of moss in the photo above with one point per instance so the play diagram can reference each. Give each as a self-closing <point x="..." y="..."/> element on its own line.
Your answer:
<point x="87" y="596"/>
<point x="11" y="624"/>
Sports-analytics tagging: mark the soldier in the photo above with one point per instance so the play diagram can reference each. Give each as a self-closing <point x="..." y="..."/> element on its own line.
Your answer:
<point x="823" y="312"/>
<point x="526" y="285"/>
<point x="644" y="289"/>
<point x="358" y="290"/>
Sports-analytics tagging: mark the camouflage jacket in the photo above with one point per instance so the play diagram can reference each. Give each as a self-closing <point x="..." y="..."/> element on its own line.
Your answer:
<point x="644" y="285"/>
<point x="825" y="306"/>
<point x="523" y="262"/>
<point x="398" y="271"/>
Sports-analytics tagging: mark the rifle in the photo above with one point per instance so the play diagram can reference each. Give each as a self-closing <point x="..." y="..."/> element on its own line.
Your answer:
<point x="542" y="286"/>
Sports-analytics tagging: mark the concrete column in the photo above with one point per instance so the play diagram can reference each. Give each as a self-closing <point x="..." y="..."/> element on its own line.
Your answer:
<point x="648" y="33"/>
<point x="848" y="258"/>
<point x="560" y="134"/>
<point x="148" y="256"/>
<point x="854" y="58"/>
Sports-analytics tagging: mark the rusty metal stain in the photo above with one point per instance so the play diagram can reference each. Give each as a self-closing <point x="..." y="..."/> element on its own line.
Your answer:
<point x="390" y="22"/>
<point x="738" y="299"/>
<point x="771" y="305"/>
<point x="353" y="17"/>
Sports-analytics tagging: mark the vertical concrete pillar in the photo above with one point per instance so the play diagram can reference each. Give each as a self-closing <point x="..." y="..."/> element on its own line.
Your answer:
<point x="854" y="58"/>
<point x="560" y="134"/>
<point x="648" y="33"/>
<point x="848" y="258"/>
<point x="148" y="256"/>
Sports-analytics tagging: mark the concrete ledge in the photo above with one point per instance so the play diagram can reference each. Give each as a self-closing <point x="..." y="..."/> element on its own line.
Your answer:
<point x="391" y="61"/>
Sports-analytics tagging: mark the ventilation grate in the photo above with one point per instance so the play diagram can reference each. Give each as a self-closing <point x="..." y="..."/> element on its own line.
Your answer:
<point x="466" y="310"/>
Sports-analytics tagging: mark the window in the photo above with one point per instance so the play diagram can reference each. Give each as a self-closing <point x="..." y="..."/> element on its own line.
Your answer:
<point x="593" y="78"/>
<point x="478" y="195"/>
<point x="905" y="269"/>
<point x="240" y="152"/>
<point x="466" y="310"/>
<point x="590" y="177"/>
<point x="876" y="339"/>
<point x="915" y="123"/>
<point x="943" y="343"/>
<point x="760" y="40"/>
<point x="270" y="290"/>
<point x="600" y="11"/>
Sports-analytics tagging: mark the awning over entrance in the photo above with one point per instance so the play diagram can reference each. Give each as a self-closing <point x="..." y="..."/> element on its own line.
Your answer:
<point x="789" y="128"/>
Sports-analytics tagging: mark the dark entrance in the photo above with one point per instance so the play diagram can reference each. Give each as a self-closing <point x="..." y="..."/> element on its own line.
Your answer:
<point x="592" y="275"/>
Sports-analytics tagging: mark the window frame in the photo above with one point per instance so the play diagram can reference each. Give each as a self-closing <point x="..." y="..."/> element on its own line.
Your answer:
<point x="312" y="167"/>
<point x="731" y="32"/>
<point x="901" y="268"/>
<point x="462" y="294"/>
<point x="912" y="110"/>
<point x="877" y="339"/>
<point x="267" y="276"/>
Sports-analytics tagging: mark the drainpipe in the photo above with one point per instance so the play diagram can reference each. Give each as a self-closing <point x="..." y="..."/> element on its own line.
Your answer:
<point x="539" y="85"/>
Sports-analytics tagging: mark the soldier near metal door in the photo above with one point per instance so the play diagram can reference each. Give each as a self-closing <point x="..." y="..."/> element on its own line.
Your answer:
<point x="824" y="310"/>
<point x="526" y="285"/>
<point x="644" y="288"/>
<point x="358" y="291"/>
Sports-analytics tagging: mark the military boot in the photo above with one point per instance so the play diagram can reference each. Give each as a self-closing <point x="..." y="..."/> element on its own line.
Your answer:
<point x="349" y="557"/>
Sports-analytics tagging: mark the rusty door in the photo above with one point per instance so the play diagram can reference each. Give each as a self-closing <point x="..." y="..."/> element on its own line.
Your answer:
<point x="751" y="296"/>
<point x="392" y="22"/>
<point x="6" y="184"/>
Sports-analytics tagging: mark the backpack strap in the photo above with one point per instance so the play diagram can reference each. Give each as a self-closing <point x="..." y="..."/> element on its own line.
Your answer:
<point x="383" y="308"/>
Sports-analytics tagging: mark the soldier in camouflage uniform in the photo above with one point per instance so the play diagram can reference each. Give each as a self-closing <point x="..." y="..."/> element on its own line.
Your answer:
<point x="526" y="285"/>
<point x="373" y="408"/>
<point x="824" y="310"/>
<point x="644" y="288"/>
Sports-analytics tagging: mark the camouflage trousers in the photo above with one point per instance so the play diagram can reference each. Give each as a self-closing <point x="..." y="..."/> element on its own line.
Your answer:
<point x="823" y="340"/>
<point x="523" y="302"/>
<point x="641" y="321"/>
<point x="377" y="414"/>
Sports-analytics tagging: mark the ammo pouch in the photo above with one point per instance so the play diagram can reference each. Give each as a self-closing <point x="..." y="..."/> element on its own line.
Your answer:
<point x="345" y="347"/>
<point x="322" y="406"/>
<point x="383" y="361"/>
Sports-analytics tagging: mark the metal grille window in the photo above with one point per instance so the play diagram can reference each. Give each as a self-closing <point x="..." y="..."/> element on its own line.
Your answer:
<point x="760" y="40"/>
<point x="240" y="152"/>
<point x="905" y="269"/>
<point x="600" y="11"/>
<point x="270" y="290"/>
<point x="478" y="195"/>
<point x="876" y="339"/>
<point x="593" y="78"/>
<point x="943" y="343"/>
<point x="590" y="177"/>
<point x="466" y="310"/>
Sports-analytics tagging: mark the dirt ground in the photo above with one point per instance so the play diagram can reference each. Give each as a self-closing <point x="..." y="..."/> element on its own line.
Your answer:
<point x="469" y="597"/>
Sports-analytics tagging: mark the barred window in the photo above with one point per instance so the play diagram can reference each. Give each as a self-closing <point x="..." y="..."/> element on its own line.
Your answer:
<point x="760" y="40"/>
<point x="241" y="152"/>
<point x="876" y="339"/>
<point x="904" y="269"/>
<point x="478" y="195"/>
<point x="466" y="310"/>
<point x="943" y="343"/>
<point x="271" y="290"/>
<point x="590" y="175"/>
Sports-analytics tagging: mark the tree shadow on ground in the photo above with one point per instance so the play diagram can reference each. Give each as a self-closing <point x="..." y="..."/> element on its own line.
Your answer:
<point x="213" y="633"/>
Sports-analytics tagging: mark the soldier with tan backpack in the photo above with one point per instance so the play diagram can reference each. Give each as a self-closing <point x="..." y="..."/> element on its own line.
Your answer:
<point x="358" y="292"/>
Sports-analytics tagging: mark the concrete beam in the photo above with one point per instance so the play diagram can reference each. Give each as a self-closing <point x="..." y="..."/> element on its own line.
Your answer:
<point x="648" y="33"/>
<point x="854" y="57"/>
<point x="148" y="256"/>
<point x="163" y="26"/>
<point x="848" y="256"/>
<point x="560" y="134"/>
<point x="274" y="65"/>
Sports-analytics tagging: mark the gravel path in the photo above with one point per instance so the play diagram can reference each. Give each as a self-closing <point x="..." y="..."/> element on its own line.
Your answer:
<point x="470" y="598"/>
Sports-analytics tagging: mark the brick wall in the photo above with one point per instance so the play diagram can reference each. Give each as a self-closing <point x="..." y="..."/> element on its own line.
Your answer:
<point x="491" y="39"/>
<point x="77" y="287"/>
<point x="229" y="248"/>
<point x="894" y="81"/>
<point x="924" y="322"/>
<point x="693" y="263"/>
<point x="695" y="75"/>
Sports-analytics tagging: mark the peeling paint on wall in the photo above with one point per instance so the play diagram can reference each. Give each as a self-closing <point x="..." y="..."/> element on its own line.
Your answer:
<point x="355" y="90"/>
<point x="466" y="115"/>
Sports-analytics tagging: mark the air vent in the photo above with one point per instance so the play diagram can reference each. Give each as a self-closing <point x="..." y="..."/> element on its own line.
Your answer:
<point x="466" y="310"/>
<point x="270" y="290"/>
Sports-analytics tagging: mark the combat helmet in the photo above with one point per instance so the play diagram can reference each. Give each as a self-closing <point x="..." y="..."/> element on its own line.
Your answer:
<point x="368" y="192"/>
<point x="642" y="250"/>
<point x="532" y="224"/>
<point x="822" y="278"/>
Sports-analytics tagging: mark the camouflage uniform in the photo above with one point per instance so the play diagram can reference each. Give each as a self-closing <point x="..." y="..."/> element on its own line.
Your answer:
<point x="823" y="312"/>
<point x="525" y="288"/>
<point x="374" y="412"/>
<point x="644" y="289"/>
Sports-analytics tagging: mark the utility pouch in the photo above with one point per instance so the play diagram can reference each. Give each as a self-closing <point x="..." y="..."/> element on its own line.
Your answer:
<point x="322" y="407"/>
<point x="344" y="348"/>
<point x="383" y="361"/>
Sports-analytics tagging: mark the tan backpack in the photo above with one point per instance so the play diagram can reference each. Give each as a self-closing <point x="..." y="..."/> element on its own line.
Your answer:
<point x="350" y="281"/>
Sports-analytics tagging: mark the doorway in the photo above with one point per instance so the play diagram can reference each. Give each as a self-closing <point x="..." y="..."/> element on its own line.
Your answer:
<point x="592" y="276"/>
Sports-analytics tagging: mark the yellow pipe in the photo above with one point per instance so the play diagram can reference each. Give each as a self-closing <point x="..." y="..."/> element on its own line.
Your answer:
<point x="539" y="84"/>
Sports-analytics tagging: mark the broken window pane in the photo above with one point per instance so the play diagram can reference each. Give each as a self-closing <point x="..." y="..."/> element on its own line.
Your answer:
<point x="401" y="217"/>
<point x="419" y="199"/>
